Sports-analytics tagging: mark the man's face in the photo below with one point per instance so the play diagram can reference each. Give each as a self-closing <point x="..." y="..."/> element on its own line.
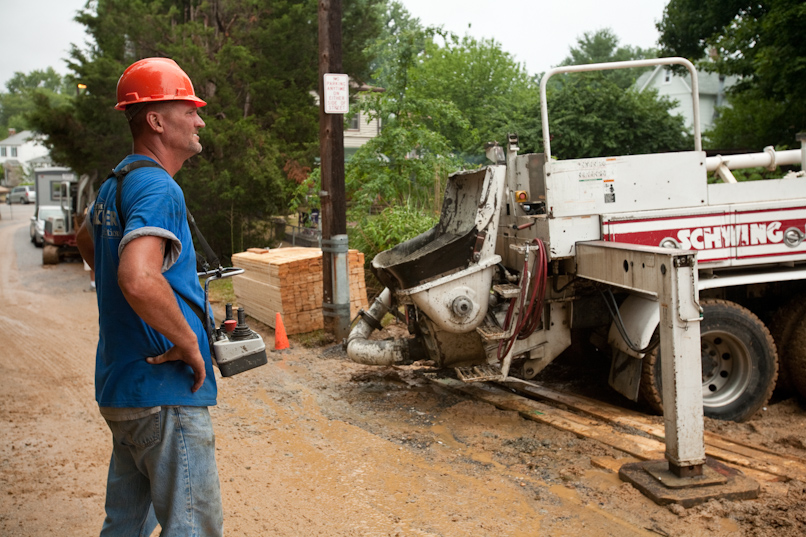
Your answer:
<point x="182" y="124"/>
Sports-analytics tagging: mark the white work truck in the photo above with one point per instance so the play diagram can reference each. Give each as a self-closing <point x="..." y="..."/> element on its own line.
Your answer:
<point x="640" y="253"/>
<point x="60" y="202"/>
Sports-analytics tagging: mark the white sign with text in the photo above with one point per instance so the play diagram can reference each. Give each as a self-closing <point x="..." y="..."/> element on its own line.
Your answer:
<point x="337" y="94"/>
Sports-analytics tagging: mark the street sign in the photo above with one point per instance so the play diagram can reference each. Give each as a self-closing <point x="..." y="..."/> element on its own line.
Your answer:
<point x="337" y="94"/>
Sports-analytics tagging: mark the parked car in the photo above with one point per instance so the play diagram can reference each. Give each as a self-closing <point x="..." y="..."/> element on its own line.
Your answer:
<point x="37" y="227"/>
<point x="21" y="194"/>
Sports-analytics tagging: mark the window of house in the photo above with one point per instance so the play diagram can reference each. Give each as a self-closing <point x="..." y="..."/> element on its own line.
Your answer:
<point x="667" y="76"/>
<point x="354" y="124"/>
<point x="13" y="151"/>
<point x="2" y="151"/>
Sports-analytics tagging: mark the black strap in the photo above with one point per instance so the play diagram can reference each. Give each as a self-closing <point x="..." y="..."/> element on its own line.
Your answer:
<point x="120" y="175"/>
<point x="209" y="258"/>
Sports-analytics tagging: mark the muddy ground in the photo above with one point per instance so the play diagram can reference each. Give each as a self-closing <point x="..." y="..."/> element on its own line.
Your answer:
<point x="312" y="444"/>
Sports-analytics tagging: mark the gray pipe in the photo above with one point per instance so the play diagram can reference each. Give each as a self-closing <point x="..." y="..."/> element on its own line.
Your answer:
<point x="364" y="351"/>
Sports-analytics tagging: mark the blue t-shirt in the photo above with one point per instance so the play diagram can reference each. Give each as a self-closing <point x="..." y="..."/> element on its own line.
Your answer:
<point x="152" y="204"/>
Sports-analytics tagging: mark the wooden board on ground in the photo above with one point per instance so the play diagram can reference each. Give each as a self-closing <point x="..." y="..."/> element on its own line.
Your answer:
<point x="289" y="281"/>
<point x="635" y="443"/>
<point x="638" y="446"/>
<point x="716" y="446"/>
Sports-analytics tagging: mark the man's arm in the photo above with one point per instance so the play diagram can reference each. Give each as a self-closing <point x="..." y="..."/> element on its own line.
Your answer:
<point x="85" y="245"/>
<point x="150" y="295"/>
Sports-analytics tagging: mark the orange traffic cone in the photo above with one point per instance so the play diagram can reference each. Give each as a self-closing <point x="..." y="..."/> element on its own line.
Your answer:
<point x="280" y="337"/>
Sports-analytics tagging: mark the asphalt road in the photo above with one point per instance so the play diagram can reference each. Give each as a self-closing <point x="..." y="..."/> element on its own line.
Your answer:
<point x="72" y="276"/>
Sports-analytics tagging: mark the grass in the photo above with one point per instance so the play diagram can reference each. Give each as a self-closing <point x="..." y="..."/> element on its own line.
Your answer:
<point x="388" y="319"/>
<point x="220" y="291"/>
<point x="312" y="340"/>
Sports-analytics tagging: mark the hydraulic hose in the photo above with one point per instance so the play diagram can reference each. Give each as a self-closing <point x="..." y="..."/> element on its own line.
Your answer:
<point x="530" y="300"/>
<point x="612" y="307"/>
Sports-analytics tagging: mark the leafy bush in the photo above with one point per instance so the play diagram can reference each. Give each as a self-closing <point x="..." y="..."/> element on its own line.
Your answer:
<point x="375" y="233"/>
<point x="751" y="174"/>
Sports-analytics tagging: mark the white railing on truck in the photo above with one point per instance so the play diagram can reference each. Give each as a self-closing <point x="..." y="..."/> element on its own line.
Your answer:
<point x="695" y="90"/>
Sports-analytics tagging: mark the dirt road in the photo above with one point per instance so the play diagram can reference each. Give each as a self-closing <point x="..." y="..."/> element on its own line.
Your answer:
<point x="312" y="444"/>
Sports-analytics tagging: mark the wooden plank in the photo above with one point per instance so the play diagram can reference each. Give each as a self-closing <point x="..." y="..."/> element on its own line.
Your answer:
<point x="632" y="444"/>
<point x="716" y="446"/>
<point x="637" y="446"/>
<point x="767" y="481"/>
<point x="611" y="464"/>
<point x="289" y="281"/>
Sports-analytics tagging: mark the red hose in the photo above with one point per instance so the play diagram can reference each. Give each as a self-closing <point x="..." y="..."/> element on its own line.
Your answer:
<point x="530" y="320"/>
<point x="540" y="278"/>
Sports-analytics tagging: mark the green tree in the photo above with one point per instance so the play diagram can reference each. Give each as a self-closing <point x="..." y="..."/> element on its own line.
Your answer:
<point x="760" y="41"/>
<point x="483" y="82"/>
<point x="600" y="113"/>
<point x="409" y="159"/>
<point x="592" y="116"/>
<point x="18" y="102"/>
<point x="255" y="64"/>
<point x="603" y="47"/>
<point x="47" y="79"/>
<point x="443" y="98"/>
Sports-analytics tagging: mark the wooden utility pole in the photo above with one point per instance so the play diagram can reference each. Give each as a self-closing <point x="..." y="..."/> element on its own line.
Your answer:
<point x="331" y="146"/>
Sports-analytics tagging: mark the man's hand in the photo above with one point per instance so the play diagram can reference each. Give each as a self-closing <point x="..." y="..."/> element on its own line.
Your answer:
<point x="193" y="359"/>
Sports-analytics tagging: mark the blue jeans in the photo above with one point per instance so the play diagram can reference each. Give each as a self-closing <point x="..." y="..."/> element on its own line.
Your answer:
<point x="163" y="470"/>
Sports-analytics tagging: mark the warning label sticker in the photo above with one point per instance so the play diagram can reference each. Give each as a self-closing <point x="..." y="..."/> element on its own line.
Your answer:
<point x="610" y="191"/>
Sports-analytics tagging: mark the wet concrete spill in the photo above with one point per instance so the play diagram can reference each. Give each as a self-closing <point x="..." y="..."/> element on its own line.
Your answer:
<point x="446" y="438"/>
<point x="364" y="484"/>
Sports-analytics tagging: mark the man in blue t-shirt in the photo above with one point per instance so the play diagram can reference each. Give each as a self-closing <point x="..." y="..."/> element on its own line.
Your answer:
<point x="154" y="375"/>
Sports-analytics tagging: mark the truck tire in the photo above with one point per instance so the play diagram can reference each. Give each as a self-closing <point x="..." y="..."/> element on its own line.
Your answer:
<point x="796" y="358"/>
<point x="50" y="255"/>
<point x="739" y="364"/>
<point x="782" y="327"/>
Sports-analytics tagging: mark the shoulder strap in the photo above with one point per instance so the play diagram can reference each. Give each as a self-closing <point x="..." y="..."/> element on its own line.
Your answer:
<point x="121" y="174"/>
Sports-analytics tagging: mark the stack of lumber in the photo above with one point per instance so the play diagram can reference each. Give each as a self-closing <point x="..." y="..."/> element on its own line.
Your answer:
<point x="289" y="281"/>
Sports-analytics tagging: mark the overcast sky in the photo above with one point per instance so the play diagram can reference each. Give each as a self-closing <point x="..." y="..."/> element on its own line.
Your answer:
<point x="539" y="33"/>
<point x="36" y="34"/>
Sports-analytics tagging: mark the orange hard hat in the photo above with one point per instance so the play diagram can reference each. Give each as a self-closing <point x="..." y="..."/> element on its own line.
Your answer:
<point x="152" y="80"/>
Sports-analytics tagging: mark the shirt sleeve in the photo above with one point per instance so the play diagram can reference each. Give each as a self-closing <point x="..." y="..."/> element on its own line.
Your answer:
<point x="153" y="206"/>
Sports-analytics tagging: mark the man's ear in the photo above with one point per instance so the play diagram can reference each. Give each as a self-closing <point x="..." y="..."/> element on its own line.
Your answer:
<point x="154" y="121"/>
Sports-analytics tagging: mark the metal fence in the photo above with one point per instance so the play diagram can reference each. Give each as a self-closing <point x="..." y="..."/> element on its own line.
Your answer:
<point x="303" y="236"/>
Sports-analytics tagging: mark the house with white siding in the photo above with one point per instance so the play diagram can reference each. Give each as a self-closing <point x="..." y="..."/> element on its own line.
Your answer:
<point x="359" y="131"/>
<point x="22" y="147"/>
<point x="712" y="88"/>
<point x="20" y="153"/>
